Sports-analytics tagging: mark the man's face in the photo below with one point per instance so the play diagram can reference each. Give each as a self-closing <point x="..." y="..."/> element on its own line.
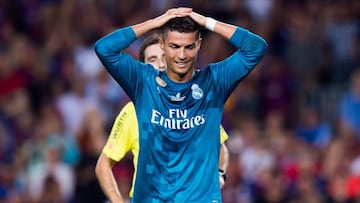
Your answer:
<point x="181" y="51"/>
<point x="154" y="55"/>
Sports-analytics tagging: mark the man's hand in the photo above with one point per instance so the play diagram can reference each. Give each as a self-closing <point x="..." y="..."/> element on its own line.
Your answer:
<point x="181" y="11"/>
<point x="222" y="176"/>
<point x="222" y="181"/>
<point x="200" y="19"/>
<point x="172" y="13"/>
<point x="159" y="21"/>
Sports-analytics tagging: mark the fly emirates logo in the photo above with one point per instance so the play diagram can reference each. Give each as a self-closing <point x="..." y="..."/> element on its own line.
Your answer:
<point x="178" y="119"/>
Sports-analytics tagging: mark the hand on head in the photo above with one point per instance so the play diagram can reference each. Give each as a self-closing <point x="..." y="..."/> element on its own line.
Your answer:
<point x="182" y="11"/>
<point x="172" y="13"/>
<point x="179" y="12"/>
<point x="200" y="19"/>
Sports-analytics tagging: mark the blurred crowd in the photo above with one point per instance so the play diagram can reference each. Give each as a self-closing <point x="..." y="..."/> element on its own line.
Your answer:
<point x="293" y="123"/>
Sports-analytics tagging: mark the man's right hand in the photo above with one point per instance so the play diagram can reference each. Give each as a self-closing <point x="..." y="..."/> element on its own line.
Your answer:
<point x="172" y="13"/>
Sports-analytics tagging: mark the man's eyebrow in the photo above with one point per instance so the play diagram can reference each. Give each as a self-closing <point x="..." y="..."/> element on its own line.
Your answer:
<point x="175" y="44"/>
<point x="151" y="57"/>
<point x="191" y="45"/>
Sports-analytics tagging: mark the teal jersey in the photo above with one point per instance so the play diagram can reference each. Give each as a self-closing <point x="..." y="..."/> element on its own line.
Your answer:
<point x="178" y="122"/>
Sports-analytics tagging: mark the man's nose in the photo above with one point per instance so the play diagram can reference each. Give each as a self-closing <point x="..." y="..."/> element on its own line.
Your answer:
<point x="181" y="54"/>
<point x="161" y="65"/>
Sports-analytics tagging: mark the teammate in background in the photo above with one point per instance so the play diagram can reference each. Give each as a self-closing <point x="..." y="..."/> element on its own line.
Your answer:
<point x="124" y="134"/>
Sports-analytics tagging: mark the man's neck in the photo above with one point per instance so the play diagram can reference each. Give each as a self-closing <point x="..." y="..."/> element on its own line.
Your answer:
<point x="180" y="78"/>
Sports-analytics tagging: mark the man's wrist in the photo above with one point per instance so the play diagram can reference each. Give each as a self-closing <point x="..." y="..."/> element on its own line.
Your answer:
<point x="210" y="23"/>
<point x="223" y="174"/>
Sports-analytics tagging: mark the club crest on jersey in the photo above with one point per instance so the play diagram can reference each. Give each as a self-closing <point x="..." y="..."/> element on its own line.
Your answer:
<point x="160" y="81"/>
<point x="197" y="92"/>
<point x="177" y="97"/>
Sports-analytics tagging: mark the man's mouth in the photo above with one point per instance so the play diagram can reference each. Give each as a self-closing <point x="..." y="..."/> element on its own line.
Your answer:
<point x="181" y="64"/>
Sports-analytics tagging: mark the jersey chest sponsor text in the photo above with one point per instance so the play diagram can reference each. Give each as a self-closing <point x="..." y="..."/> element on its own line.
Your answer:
<point x="177" y="119"/>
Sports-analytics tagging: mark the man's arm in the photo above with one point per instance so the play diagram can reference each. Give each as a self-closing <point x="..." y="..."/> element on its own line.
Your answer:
<point x="127" y="71"/>
<point x="254" y="45"/>
<point x="107" y="180"/>
<point x="250" y="50"/>
<point x="121" y="140"/>
<point x="223" y="29"/>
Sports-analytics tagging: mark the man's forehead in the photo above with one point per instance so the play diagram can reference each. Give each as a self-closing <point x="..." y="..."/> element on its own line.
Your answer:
<point x="180" y="38"/>
<point x="152" y="50"/>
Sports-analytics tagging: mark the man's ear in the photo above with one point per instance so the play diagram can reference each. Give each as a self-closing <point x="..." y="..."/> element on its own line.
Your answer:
<point x="161" y="43"/>
<point x="199" y="43"/>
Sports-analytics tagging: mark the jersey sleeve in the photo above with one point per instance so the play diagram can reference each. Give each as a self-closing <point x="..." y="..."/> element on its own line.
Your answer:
<point x="122" y="138"/>
<point x="229" y="72"/>
<point x="125" y="69"/>
<point x="223" y="135"/>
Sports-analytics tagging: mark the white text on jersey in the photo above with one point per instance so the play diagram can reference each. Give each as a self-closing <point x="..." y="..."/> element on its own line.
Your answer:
<point x="177" y="119"/>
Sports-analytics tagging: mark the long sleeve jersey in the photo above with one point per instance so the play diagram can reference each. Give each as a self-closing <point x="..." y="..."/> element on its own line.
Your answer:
<point x="178" y="122"/>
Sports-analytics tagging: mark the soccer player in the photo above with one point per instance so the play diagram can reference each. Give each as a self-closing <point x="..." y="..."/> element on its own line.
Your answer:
<point x="179" y="110"/>
<point x="124" y="135"/>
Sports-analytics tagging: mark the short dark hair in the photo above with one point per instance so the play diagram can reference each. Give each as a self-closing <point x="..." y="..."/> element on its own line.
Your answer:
<point x="181" y="24"/>
<point x="148" y="41"/>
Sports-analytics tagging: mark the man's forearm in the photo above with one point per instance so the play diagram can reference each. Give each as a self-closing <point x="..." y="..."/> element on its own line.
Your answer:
<point x="224" y="157"/>
<point x="107" y="180"/>
<point x="142" y="28"/>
